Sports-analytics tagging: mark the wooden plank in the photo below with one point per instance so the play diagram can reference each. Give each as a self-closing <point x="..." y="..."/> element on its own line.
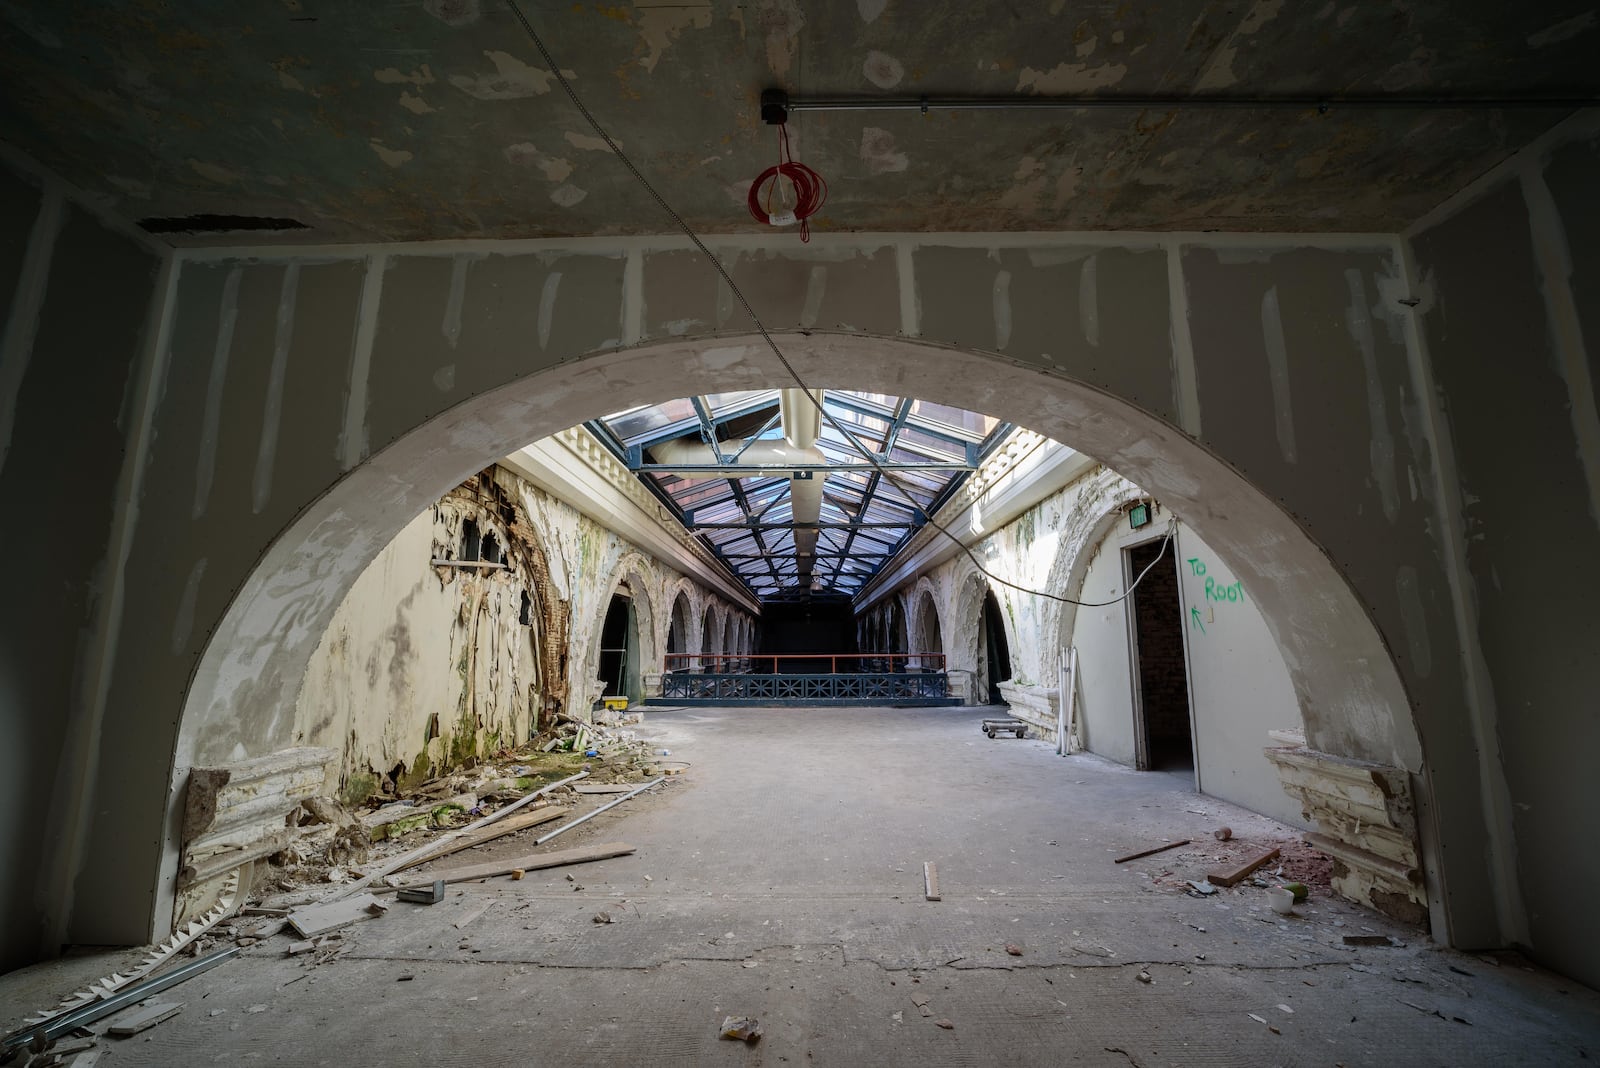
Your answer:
<point x="145" y="1018"/>
<point x="1229" y="876"/>
<point x="320" y="919"/>
<point x="930" y="881"/>
<point x="394" y="864"/>
<point x="604" y="787"/>
<point x="1152" y="852"/>
<point x="556" y="859"/>
<point x="488" y="834"/>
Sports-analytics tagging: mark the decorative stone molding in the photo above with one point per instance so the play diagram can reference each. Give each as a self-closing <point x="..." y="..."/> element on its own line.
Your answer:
<point x="600" y="460"/>
<point x="238" y="813"/>
<point x="1016" y="447"/>
<point x="1366" y="821"/>
<point x="1033" y="705"/>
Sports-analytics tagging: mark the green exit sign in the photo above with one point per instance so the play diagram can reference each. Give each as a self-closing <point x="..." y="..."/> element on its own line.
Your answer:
<point x="1139" y="515"/>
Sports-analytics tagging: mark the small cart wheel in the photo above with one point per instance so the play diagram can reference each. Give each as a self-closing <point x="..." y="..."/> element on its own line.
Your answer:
<point x="990" y="733"/>
<point x="1022" y="732"/>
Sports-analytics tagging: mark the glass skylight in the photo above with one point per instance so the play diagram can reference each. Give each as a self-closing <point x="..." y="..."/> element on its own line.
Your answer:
<point x="746" y="519"/>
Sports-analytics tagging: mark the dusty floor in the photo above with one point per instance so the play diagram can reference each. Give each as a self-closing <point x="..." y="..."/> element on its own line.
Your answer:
<point x="781" y="877"/>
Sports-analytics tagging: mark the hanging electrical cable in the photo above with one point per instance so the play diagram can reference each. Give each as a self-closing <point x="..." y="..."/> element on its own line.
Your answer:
<point x="808" y="190"/>
<point x="761" y="328"/>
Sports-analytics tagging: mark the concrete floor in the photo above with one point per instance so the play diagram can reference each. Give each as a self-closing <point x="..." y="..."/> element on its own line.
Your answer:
<point x="781" y="877"/>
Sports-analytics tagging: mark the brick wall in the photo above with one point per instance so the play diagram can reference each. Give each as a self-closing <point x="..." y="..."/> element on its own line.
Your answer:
<point x="1163" y="674"/>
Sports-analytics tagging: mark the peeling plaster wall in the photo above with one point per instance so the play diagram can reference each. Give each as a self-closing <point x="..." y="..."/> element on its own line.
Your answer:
<point x="425" y="668"/>
<point x="1510" y="277"/>
<point x="78" y="300"/>
<point x="1071" y="544"/>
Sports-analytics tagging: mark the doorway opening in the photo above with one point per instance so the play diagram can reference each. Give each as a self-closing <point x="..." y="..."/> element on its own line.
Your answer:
<point x="996" y="654"/>
<point x="619" y="650"/>
<point x="1163" y="731"/>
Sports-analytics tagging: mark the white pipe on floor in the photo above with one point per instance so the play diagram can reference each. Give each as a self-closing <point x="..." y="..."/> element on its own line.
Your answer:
<point x="565" y="827"/>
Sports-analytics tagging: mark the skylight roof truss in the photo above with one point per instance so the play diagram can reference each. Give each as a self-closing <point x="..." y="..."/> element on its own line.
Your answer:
<point x="745" y="518"/>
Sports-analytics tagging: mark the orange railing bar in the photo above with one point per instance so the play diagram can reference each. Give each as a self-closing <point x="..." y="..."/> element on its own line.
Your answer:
<point x="711" y="662"/>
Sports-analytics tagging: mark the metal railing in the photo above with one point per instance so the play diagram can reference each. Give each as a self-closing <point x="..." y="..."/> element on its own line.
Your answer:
<point x="791" y="688"/>
<point x="805" y="678"/>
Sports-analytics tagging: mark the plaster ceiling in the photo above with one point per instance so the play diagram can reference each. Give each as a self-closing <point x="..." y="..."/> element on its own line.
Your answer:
<point x="434" y="119"/>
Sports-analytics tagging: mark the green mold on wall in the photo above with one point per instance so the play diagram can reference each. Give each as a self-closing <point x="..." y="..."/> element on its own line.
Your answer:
<point x="360" y="786"/>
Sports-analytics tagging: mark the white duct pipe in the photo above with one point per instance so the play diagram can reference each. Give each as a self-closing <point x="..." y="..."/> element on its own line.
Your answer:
<point x="776" y="457"/>
<point x="800" y="418"/>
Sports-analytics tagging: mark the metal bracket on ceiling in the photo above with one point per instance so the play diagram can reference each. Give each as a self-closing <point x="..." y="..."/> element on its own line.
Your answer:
<point x="774" y="107"/>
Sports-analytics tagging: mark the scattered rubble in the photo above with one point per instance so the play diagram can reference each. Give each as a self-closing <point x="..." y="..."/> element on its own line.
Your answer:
<point x="330" y="843"/>
<point x="741" y="1028"/>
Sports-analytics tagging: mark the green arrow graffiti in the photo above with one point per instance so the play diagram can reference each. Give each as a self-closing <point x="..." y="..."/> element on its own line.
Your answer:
<point x="1194" y="615"/>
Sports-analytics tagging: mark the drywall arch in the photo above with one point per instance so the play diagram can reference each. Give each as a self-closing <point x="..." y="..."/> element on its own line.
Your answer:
<point x="257" y="648"/>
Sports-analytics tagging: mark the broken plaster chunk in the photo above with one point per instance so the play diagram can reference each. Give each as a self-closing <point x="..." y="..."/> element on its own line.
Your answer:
<point x="743" y="1028"/>
<point x="944" y="1023"/>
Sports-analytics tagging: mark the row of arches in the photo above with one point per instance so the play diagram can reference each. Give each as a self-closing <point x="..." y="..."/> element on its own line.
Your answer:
<point x="988" y="632"/>
<point x="705" y="630"/>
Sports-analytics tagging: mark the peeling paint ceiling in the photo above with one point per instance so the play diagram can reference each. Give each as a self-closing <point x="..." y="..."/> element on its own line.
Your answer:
<point x="434" y="119"/>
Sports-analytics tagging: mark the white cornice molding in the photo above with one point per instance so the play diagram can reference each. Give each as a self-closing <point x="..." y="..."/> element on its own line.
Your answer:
<point x="575" y="468"/>
<point x="1027" y="469"/>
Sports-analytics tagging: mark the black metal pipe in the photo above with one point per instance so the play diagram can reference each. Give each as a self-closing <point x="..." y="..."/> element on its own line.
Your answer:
<point x="1168" y="101"/>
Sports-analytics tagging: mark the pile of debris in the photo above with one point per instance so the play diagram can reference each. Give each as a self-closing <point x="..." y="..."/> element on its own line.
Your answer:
<point x="620" y="755"/>
<point x="335" y="866"/>
<point x="331" y="840"/>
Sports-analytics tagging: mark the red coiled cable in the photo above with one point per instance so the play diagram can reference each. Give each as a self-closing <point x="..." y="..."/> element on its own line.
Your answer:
<point x="810" y="191"/>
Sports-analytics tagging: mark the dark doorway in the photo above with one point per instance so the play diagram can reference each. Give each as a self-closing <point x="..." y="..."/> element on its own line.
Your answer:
<point x="822" y="624"/>
<point x="619" y="650"/>
<point x="1162" y="732"/>
<point x="997" y="653"/>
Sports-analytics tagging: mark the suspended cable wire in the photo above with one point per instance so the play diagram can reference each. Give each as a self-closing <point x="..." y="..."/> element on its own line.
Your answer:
<point x="789" y="368"/>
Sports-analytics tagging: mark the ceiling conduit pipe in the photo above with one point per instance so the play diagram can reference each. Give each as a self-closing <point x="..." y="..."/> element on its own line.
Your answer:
<point x="802" y="422"/>
<point x="801" y="417"/>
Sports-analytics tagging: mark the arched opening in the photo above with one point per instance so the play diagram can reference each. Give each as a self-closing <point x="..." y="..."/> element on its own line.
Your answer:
<point x="1342" y="672"/>
<point x="678" y="628"/>
<point x="707" y="641"/>
<point x="619" y="649"/>
<point x="897" y="628"/>
<point x="929" y="644"/>
<point x="994" y="650"/>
